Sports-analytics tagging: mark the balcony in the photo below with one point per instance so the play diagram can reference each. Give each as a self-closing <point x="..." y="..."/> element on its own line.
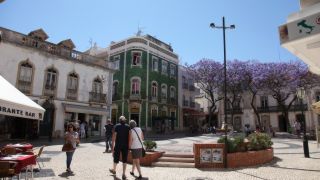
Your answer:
<point x="268" y="109"/>
<point x="135" y="97"/>
<point x="173" y="101"/>
<point x="153" y="99"/>
<point x="164" y="100"/>
<point x="97" y="97"/>
<point x="24" y="40"/>
<point x="24" y="86"/>
<point x="49" y="90"/>
<point x="185" y="86"/>
<point x="72" y="94"/>
<point x="236" y="110"/>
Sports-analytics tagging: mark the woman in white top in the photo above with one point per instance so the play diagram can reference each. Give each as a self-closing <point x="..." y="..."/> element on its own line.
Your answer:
<point x="135" y="144"/>
<point x="71" y="137"/>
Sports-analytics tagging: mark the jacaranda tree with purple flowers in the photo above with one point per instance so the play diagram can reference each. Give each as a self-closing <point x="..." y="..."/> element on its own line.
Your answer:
<point x="208" y="76"/>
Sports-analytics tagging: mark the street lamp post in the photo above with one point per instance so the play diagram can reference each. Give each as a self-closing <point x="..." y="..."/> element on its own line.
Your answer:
<point x="300" y="95"/>
<point x="224" y="27"/>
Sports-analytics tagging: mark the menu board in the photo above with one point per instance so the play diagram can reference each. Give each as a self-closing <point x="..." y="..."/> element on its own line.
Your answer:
<point x="211" y="155"/>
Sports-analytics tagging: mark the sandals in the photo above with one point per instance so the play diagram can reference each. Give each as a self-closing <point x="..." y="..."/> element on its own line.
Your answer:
<point x="112" y="171"/>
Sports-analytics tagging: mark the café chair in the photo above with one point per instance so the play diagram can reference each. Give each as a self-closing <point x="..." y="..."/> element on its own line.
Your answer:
<point x="7" y="169"/>
<point x="38" y="156"/>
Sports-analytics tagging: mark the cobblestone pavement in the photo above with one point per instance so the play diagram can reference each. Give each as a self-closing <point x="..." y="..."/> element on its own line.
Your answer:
<point x="90" y="162"/>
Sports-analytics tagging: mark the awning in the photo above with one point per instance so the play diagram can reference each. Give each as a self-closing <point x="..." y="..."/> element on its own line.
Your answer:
<point x="15" y="103"/>
<point x="192" y="112"/>
<point x="84" y="109"/>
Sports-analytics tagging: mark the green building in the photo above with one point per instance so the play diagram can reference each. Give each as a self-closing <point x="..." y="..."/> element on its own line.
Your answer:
<point x="145" y="87"/>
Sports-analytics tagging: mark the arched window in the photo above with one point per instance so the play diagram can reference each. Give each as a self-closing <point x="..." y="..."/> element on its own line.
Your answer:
<point x="97" y="86"/>
<point x="51" y="82"/>
<point x="172" y="92"/>
<point x="72" y="86"/>
<point x="164" y="91"/>
<point x="136" y="58"/>
<point x="154" y="90"/>
<point x="135" y="86"/>
<point x="25" y="77"/>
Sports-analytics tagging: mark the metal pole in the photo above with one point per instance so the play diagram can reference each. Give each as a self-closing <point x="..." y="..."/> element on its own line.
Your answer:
<point x="225" y="93"/>
<point x="305" y="138"/>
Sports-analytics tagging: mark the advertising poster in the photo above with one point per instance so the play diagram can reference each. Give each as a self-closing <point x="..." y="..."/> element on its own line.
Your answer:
<point x="205" y="155"/>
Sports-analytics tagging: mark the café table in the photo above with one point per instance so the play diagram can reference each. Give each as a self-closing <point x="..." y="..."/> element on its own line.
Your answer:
<point x="23" y="147"/>
<point x="23" y="161"/>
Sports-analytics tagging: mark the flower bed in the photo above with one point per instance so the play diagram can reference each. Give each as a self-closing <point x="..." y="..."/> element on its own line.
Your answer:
<point x="249" y="158"/>
<point x="148" y="159"/>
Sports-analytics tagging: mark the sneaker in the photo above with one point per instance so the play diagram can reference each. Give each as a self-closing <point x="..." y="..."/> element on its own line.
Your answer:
<point x="132" y="173"/>
<point x="69" y="170"/>
<point x="112" y="171"/>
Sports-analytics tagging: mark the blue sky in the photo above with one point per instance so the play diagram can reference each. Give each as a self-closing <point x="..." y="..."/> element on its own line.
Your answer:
<point x="184" y="24"/>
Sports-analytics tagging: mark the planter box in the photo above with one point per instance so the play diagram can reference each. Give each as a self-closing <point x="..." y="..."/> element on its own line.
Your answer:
<point x="249" y="158"/>
<point x="148" y="159"/>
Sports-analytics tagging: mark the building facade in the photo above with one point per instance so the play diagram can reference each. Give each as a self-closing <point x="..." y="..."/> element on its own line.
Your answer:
<point x="70" y="85"/>
<point x="190" y="113"/>
<point x="145" y="87"/>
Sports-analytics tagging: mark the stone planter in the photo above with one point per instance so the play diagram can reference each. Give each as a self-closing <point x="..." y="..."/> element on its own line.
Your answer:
<point x="148" y="159"/>
<point x="249" y="158"/>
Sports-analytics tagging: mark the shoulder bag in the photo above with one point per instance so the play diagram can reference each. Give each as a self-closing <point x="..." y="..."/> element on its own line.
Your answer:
<point x="143" y="150"/>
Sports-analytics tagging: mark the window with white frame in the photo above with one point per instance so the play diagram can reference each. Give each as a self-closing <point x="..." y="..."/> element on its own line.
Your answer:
<point x="72" y="82"/>
<point x="172" y="70"/>
<point x="154" y="92"/>
<point x="51" y="79"/>
<point x="115" y="88"/>
<point x="155" y="63"/>
<point x="164" y="67"/>
<point x="136" y="58"/>
<point x="116" y="62"/>
<point x="135" y="86"/>
<point x="97" y="86"/>
<point x="25" y="74"/>
<point x="164" y="91"/>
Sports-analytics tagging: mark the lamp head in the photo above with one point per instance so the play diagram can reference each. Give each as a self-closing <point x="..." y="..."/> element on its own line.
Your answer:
<point x="232" y="26"/>
<point x="212" y="25"/>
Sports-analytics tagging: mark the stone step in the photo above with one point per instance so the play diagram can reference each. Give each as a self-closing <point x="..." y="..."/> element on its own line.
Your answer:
<point x="178" y="155"/>
<point x="173" y="164"/>
<point x="176" y="159"/>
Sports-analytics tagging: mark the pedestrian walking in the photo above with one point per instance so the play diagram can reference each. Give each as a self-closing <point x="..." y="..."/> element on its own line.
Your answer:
<point x="71" y="137"/>
<point x="108" y="128"/>
<point x="135" y="144"/>
<point x="297" y="127"/>
<point x="120" y="142"/>
<point x="82" y="130"/>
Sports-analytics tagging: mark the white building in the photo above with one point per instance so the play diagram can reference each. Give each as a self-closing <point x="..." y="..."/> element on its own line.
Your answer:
<point x="69" y="84"/>
<point x="190" y="112"/>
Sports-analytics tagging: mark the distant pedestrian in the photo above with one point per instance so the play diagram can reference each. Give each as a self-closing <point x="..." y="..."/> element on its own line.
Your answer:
<point x="120" y="142"/>
<point x="82" y="130"/>
<point x="71" y="137"/>
<point x="297" y="127"/>
<point x="108" y="128"/>
<point x="247" y="129"/>
<point x="135" y="144"/>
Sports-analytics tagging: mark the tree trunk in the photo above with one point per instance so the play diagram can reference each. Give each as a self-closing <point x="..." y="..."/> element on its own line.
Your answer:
<point x="255" y="110"/>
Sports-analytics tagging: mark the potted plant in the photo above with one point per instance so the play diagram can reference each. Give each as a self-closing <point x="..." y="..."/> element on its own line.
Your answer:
<point x="150" y="145"/>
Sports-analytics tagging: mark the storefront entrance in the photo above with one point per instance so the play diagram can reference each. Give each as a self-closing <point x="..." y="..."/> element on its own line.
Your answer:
<point x="46" y="126"/>
<point x="135" y="117"/>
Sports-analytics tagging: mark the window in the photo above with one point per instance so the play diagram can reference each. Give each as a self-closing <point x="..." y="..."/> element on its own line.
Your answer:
<point x="164" y="91"/>
<point x="115" y="88"/>
<point x="172" y="92"/>
<point x="72" y="81"/>
<point x="264" y="101"/>
<point x="154" y="64"/>
<point x="136" y="59"/>
<point x="154" y="111"/>
<point x="116" y="62"/>
<point x="172" y="70"/>
<point x="51" y="80"/>
<point x="164" y="67"/>
<point x="25" y="74"/>
<point x="135" y="86"/>
<point x="25" y="78"/>
<point x="97" y="86"/>
<point x="154" y="90"/>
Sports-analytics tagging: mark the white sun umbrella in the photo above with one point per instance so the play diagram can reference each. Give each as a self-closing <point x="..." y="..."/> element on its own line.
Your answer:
<point x="15" y="103"/>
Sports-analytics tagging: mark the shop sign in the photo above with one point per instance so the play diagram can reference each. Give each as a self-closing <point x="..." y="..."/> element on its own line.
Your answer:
<point x="301" y="28"/>
<point x="19" y="112"/>
<point x="211" y="155"/>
